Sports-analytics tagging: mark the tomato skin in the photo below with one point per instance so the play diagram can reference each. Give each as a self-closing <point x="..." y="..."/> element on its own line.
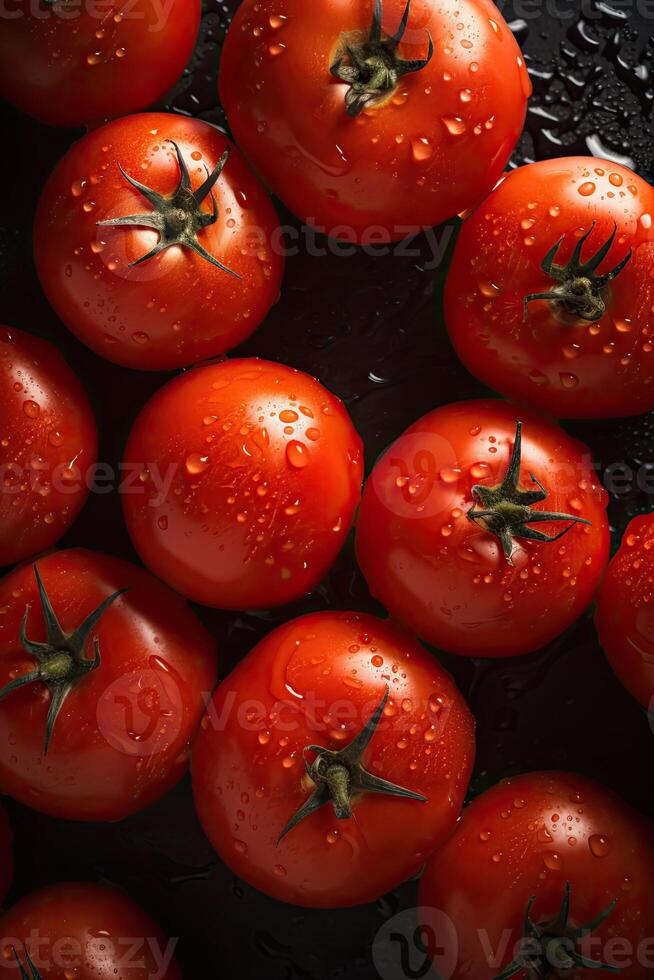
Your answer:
<point x="48" y="445"/>
<point x="514" y="842"/>
<point x="176" y="308"/>
<point x="265" y="471"/>
<point x="322" y="676"/>
<point x="407" y="164"/>
<point x="55" y="65"/>
<point x="446" y="577"/>
<point x="623" y="617"/>
<point x="93" y="931"/>
<point x="119" y="743"/>
<point x="6" y="854"/>
<point x="571" y="369"/>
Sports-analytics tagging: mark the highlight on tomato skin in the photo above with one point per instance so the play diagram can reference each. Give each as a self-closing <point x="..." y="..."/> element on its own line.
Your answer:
<point x="549" y="293"/>
<point x="304" y="693"/>
<point x="247" y="477"/>
<point x="6" y="854"/>
<point x="475" y="562"/>
<point x="102" y="696"/>
<point x="535" y="862"/>
<point x="624" y="615"/>
<point x="77" y="64"/>
<point x="47" y="444"/>
<point x="86" y="930"/>
<point x="372" y="118"/>
<point x="155" y="243"/>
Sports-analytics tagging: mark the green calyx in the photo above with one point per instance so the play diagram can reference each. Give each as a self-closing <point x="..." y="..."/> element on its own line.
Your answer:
<point x="550" y="948"/>
<point x="338" y="776"/>
<point x="506" y="510"/>
<point x="177" y="217"/>
<point x="61" y="660"/>
<point x="579" y="292"/>
<point x="33" y="972"/>
<point x="371" y="65"/>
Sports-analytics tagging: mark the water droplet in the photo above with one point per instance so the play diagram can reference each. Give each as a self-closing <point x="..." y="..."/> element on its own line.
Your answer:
<point x="31" y="409"/>
<point x="454" y="125"/>
<point x="297" y="454"/>
<point x="600" y="846"/>
<point x="421" y="149"/>
<point x="196" y="464"/>
<point x="587" y="188"/>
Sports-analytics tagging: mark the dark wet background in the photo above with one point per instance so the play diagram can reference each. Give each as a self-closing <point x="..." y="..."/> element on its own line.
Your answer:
<point x="369" y="328"/>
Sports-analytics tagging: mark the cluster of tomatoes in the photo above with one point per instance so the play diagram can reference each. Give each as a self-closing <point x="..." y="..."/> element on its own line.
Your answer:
<point x="333" y="763"/>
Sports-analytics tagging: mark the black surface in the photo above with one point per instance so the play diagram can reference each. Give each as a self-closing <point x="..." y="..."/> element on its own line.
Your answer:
<point x="382" y="347"/>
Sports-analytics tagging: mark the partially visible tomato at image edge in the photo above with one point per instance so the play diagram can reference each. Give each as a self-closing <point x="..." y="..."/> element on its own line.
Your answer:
<point x="72" y="64"/>
<point x="48" y="445"/>
<point x="155" y="244"/>
<point x="416" y="134"/>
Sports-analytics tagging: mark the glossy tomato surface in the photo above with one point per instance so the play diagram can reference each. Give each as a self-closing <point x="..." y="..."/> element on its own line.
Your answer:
<point x="122" y="737"/>
<point x="247" y="476"/>
<point x="445" y="575"/>
<point x="6" y="855"/>
<point x="92" y="932"/>
<point x="546" y="356"/>
<point x="526" y="838"/>
<point x="176" y="307"/>
<point x="434" y="146"/>
<point x="48" y="445"/>
<point x="316" y="681"/>
<point x="71" y="64"/>
<point x="625" y="614"/>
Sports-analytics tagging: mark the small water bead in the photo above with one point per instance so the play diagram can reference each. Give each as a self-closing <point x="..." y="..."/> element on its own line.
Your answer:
<point x="297" y="454"/>
<point x="587" y="188"/>
<point x="94" y="58"/>
<point x="600" y="846"/>
<point x="454" y="125"/>
<point x="276" y="49"/>
<point x="421" y="149"/>
<point x="196" y="464"/>
<point x="31" y="409"/>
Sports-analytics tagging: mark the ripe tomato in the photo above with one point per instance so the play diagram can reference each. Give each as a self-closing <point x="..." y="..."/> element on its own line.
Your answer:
<point x="98" y="707"/>
<point x="521" y="853"/>
<point x="372" y="121"/>
<point x="156" y="277"/>
<point x="308" y="748"/>
<point x="624" y="615"/>
<point x="87" y="931"/>
<point x="548" y="295"/>
<point x="249" y="476"/>
<point x="48" y="444"/>
<point x="450" y="541"/>
<point x="6" y="855"/>
<point x="69" y="64"/>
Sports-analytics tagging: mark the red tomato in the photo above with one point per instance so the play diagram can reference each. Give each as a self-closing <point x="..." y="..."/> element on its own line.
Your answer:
<point x="6" y="855"/>
<point x="48" y="444"/>
<point x="319" y="712"/>
<point x="549" y="292"/>
<point x="485" y="537"/>
<point x="522" y="847"/>
<point x="248" y="475"/>
<point x="71" y="64"/>
<point x="91" y="932"/>
<point x="624" y="616"/>
<point x="364" y="137"/>
<point x="112" y="701"/>
<point x="160" y="274"/>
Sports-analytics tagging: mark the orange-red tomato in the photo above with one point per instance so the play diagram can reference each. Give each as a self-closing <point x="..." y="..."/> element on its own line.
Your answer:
<point x="458" y="551"/>
<point x="48" y="445"/>
<point x="587" y="351"/>
<point x="520" y="848"/>
<point x="247" y="475"/>
<point x="148" y="293"/>
<point x="139" y="678"/>
<point x="426" y="144"/>
<point x="6" y="855"/>
<point x="317" y="681"/>
<point x="69" y="64"/>
<point x="625" y="615"/>
<point x="88" y="931"/>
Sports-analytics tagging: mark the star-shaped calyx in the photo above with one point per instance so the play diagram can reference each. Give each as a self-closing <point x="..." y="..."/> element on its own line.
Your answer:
<point x="506" y="510"/>
<point x="177" y="217"/>
<point x="33" y="972"/>
<point x="61" y="660"/>
<point x="371" y="65"/>
<point x="338" y="776"/>
<point x="550" y="948"/>
<point x="579" y="292"/>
